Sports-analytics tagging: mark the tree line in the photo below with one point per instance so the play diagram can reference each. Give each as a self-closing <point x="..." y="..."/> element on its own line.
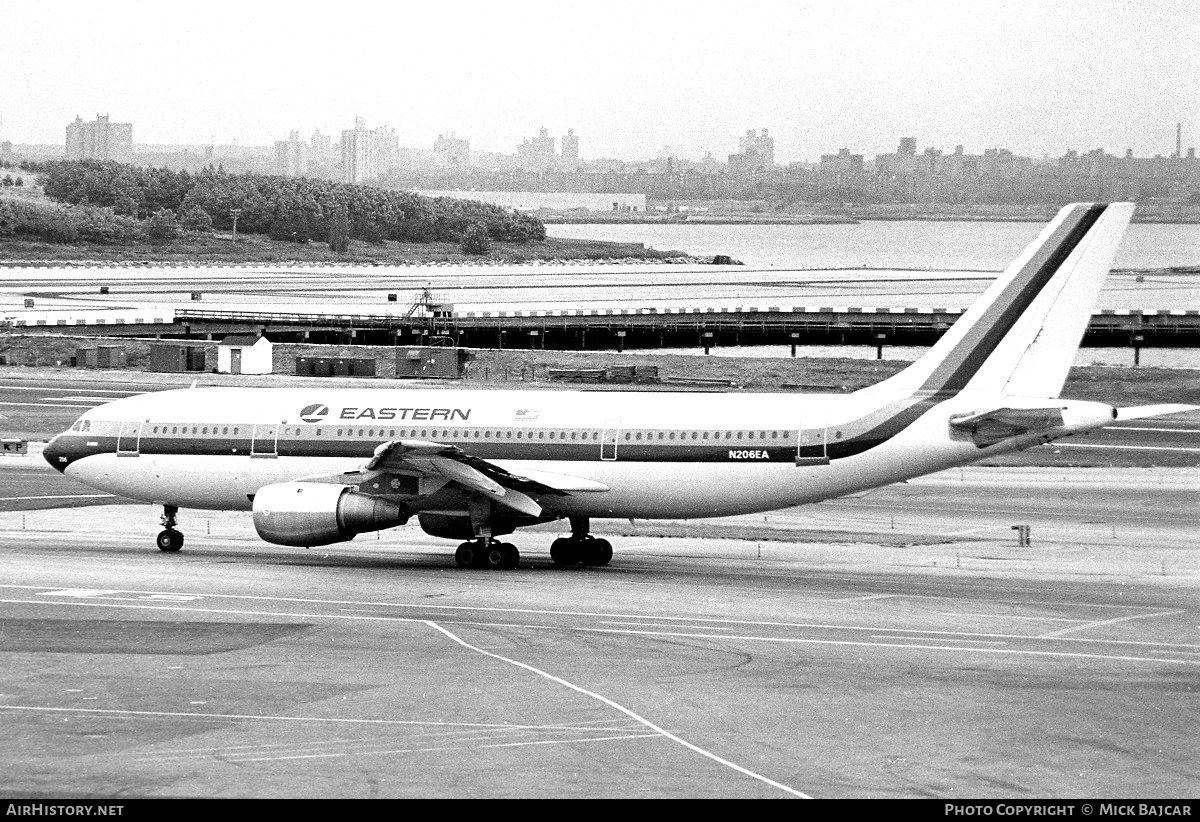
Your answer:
<point x="284" y="208"/>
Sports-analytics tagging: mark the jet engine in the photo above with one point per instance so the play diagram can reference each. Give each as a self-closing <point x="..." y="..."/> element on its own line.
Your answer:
<point x="307" y="514"/>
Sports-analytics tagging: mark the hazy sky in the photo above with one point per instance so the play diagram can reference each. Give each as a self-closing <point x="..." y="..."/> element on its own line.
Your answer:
<point x="629" y="77"/>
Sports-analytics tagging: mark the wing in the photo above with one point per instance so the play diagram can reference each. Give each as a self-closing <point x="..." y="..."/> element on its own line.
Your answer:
<point x="437" y="464"/>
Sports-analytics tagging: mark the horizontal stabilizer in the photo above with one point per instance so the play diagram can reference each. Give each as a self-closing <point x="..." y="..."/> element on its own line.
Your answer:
<point x="990" y="427"/>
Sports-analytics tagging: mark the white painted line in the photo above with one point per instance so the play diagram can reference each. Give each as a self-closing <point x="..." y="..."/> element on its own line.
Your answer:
<point x="651" y="621"/>
<point x="1058" y="444"/>
<point x="625" y="711"/>
<point x="265" y="717"/>
<point x="1159" y="430"/>
<point x="903" y="645"/>
<point x="444" y="748"/>
<point x="67" y="390"/>
<point x="868" y="598"/>
<point x="45" y="405"/>
<point x="1110" y="622"/>
<point x="59" y="496"/>
<point x="545" y="612"/>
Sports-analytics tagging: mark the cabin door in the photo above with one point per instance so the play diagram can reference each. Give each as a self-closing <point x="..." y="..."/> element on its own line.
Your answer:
<point x="235" y="361"/>
<point x="129" y="440"/>
<point x="608" y="440"/>
<point x="265" y="440"/>
<point x="812" y="447"/>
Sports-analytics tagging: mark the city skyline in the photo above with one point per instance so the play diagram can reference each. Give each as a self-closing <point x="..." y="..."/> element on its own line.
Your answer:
<point x="1035" y="78"/>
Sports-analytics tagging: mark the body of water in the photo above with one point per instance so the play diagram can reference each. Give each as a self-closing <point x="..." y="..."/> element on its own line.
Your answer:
<point x="887" y="244"/>
<point x="957" y="246"/>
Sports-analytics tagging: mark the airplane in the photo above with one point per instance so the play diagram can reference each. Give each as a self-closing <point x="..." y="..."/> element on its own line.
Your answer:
<point x="318" y="466"/>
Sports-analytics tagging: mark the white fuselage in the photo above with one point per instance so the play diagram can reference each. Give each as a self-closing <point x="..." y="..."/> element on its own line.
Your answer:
<point x="659" y="454"/>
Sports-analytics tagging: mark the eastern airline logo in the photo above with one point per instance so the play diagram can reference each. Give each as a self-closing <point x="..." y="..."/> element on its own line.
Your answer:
<point x="314" y="413"/>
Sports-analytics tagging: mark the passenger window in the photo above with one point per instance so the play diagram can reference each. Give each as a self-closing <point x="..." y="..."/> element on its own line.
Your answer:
<point x="695" y="435"/>
<point x="174" y="429"/>
<point x="225" y="430"/>
<point x="671" y="436"/>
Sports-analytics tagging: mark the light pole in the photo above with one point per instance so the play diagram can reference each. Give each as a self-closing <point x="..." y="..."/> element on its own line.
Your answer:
<point x="234" y="213"/>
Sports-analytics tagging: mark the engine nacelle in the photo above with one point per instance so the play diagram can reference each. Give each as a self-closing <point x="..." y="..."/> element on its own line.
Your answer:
<point x="307" y="514"/>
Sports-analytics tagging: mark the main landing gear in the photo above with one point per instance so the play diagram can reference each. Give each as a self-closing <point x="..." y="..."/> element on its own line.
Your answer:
<point x="169" y="540"/>
<point x="581" y="548"/>
<point x="487" y="553"/>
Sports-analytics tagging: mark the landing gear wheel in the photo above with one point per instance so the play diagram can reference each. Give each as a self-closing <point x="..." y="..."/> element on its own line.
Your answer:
<point x="501" y="556"/>
<point x="597" y="552"/>
<point x="467" y="555"/>
<point x="169" y="540"/>
<point x="564" y="552"/>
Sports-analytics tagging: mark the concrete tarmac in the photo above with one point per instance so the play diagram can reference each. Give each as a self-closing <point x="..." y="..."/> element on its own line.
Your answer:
<point x="896" y="644"/>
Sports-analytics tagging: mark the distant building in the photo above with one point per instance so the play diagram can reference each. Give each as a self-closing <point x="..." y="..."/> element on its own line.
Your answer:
<point x="100" y="140"/>
<point x="538" y="153"/>
<point x="570" y="150"/>
<point x="387" y="150"/>
<point x="841" y="169"/>
<point x="358" y="154"/>
<point x="756" y="152"/>
<point x="367" y="154"/>
<point x="291" y="156"/>
<point x="451" y="152"/>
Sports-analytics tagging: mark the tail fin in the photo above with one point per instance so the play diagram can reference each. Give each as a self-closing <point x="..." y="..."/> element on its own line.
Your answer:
<point x="1021" y="335"/>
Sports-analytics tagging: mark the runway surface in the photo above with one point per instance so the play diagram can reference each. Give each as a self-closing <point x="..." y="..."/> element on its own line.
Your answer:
<point x="894" y="644"/>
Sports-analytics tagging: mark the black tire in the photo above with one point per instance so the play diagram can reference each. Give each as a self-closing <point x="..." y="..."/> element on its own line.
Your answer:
<point x="512" y="557"/>
<point x="564" y="552"/>
<point x="169" y="541"/>
<point x="466" y="556"/>
<point x="495" y="557"/>
<point x="602" y="552"/>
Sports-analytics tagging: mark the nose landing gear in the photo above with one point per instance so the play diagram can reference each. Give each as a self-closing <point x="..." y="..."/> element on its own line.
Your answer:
<point x="169" y="540"/>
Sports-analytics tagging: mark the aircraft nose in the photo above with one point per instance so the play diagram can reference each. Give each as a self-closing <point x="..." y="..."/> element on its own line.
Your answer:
<point x="56" y="454"/>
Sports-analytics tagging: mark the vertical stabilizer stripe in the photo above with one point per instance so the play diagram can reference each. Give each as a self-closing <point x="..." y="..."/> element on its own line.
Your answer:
<point x="997" y="320"/>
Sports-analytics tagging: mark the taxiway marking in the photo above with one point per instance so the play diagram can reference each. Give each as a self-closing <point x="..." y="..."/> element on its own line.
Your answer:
<point x="617" y="706"/>
<point x="1110" y="622"/>
<point x="912" y="643"/>
<point x="58" y="496"/>
<point x="45" y="405"/>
